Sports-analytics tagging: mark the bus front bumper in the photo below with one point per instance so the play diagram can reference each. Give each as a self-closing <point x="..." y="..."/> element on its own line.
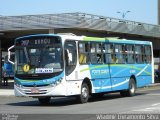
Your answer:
<point x="21" y="91"/>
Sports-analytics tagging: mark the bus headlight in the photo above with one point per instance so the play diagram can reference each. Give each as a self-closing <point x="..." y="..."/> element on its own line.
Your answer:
<point x="18" y="85"/>
<point x="55" y="83"/>
<point x="52" y="85"/>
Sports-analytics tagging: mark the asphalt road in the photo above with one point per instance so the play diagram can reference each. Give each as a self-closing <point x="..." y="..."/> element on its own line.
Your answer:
<point x="146" y="101"/>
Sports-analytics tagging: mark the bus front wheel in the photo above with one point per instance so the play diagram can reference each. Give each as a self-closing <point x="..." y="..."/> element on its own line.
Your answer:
<point x="131" y="90"/>
<point x="84" y="96"/>
<point x="45" y="100"/>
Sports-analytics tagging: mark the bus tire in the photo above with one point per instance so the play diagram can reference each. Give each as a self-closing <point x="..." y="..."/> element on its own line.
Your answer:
<point x="84" y="96"/>
<point x="44" y="101"/>
<point x="131" y="90"/>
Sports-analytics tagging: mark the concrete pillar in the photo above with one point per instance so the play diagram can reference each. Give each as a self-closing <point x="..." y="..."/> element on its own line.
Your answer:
<point x="0" y="64"/>
<point x="51" y="31"/>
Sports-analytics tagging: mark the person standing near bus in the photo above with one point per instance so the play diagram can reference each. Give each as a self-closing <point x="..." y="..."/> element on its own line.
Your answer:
<point x="7" y="70"/>
<point x="5" y="75"/>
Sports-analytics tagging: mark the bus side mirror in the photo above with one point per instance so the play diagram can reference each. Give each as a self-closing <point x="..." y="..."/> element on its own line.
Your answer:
<point x="9" y="54"/>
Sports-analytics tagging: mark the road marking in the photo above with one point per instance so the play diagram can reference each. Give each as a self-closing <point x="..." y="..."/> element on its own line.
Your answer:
<point x="153" y="108"/>
<point x="154" y="94"/>
<point x="142" y="110"/>
<point x="155" y="104"/>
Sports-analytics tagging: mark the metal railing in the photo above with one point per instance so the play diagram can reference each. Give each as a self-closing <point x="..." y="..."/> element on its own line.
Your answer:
<point x="78" y="20"/>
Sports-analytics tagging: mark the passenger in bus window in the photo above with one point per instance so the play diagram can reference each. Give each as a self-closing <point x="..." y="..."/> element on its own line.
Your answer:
<point x="82" y="58"/>
<point x="99" y="58"/>
<point x="114" y="58"/>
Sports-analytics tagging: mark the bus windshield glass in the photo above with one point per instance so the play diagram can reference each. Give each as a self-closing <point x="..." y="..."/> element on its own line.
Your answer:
<point x="41" y="56"/>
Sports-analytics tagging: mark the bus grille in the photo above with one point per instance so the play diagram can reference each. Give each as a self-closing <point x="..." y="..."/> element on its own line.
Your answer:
<point x="39" y="92"/>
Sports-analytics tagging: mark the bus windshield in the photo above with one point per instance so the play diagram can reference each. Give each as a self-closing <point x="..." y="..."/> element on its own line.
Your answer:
<point x="39" y="59"/>
<point x="45" y="59"/>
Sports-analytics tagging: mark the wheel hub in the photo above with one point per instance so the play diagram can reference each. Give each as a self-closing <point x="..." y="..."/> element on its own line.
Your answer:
<point x="84" y="92"/>
<point x="132" y="88"/>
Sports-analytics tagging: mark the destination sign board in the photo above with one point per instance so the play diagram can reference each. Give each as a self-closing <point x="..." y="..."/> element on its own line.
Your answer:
<point x="37" y="41"/>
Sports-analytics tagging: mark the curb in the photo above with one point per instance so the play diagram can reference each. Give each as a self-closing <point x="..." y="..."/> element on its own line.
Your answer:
<point x="154" y="85"/>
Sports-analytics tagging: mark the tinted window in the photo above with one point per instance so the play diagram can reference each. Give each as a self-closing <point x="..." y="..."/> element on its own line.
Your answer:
<point x="70" y="56"/>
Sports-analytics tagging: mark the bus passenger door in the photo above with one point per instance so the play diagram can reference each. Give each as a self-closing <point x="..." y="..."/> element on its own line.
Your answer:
<point x="70" y="54"/>
<point x="102" y="72"/>
<point x="119" y="67"/>
<point x="70" y="58"/>
<point x="99" y="67"/>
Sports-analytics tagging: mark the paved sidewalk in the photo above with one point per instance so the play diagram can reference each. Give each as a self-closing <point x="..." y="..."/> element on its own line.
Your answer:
<point x="4" y="92"/>
<point x="7" y="90"/>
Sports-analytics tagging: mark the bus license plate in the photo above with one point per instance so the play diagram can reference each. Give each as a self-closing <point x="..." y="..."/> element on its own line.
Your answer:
<point x="35" y="90"/>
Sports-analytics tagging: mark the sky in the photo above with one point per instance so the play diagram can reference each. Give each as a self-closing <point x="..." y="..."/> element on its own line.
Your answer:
<point x="140" y="10"/>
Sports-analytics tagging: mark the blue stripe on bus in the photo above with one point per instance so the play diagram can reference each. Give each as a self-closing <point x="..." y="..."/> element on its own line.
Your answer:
<point x="39" y="82"/>
<point x="118" y="77"/>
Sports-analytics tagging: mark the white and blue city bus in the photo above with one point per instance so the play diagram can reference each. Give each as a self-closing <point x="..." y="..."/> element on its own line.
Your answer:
<point x="49" y="65"/>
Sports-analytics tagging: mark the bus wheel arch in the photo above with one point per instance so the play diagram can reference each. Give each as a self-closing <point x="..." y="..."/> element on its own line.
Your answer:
<point x="132" y="85"/>
<point x="85" y="91"/>
<point x="134" y="78"/>
<point x="88" y="82"/>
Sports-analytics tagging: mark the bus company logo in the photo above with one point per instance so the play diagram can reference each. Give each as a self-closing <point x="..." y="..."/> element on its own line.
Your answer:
<point x="25" y="43"/>
<point x="100" y="72"/>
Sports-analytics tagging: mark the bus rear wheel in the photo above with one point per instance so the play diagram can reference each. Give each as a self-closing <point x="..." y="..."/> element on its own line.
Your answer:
<point x="84" y="96"/>
<point x="45" y="100"/>
<point x="131" y="90"/>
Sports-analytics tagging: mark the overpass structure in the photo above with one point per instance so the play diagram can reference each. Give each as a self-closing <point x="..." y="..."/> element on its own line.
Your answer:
<point x="77" y="20"/>
<point x="76" y="23"/>
<point x="79" y="24"/>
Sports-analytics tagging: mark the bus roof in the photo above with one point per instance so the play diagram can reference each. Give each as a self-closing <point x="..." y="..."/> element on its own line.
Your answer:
<point x="116" y="40"/>
<point x="96" y="39"/>
<point x="36" y="35"/>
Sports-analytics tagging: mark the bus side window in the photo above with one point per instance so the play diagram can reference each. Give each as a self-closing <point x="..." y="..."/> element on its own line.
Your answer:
<point x="70" y="56"/>
<point x="96" y="53"/>
<point x="120" y="54"/>
<point x="99" y="48"/>
<point x="107" y="53"/>
<point x="143" y="54"/>
<point x="138" y="54"/>
<point x="93" y="53"/>
<point x="130" y="54"/>
<point x="83" y="52"/>
<point x="148" y="54"/>
<point x="115" y="55"/>
<point x="112" y="49"/>
<point x="124" y="53"/>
